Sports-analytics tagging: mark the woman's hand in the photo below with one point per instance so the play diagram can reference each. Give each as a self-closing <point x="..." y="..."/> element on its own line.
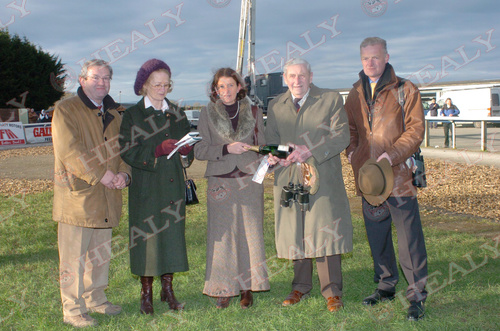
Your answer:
<point x="237" y="148"/>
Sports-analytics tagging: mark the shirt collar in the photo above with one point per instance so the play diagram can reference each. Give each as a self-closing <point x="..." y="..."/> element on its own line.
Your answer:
<point x="301" y="102"/>
<point x="97" y="105"/>
<point x="164" y="104"/>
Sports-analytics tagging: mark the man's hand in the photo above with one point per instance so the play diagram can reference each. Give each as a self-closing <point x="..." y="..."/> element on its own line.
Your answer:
<point x="120" y="180"/>
<point x="384" y="156"/>
<point x="107" y="179"/>
<point x="300" y="153"/>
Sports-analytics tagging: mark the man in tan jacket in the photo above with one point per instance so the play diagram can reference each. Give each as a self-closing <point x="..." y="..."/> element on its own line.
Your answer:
<point x="89" y="175"/>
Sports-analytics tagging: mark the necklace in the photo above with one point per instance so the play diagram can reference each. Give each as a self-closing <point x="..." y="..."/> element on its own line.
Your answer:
<point x="237" y="111"/>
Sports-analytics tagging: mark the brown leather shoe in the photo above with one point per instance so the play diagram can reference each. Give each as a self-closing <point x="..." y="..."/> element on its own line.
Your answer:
<point x="334" y="304"/>
<point x="222" y="302"/>
<point x="293" y="298"/>
<point x="246" y="299"/>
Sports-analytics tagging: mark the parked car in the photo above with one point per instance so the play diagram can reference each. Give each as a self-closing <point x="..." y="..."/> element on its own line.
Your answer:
<point x="193" y="116"/>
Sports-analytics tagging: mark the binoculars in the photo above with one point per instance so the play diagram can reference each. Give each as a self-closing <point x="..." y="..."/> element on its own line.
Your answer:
<point x="295" y="193"/>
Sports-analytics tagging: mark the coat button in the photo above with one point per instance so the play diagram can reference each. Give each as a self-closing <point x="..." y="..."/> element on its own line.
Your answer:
<point x="171" y="179"/>
<point x="106" y="220"/>
<point x="171" y="202"/>
<point x="166" y="134"/>
<point x="145" y="163"/>
<point x="105" y="138"/>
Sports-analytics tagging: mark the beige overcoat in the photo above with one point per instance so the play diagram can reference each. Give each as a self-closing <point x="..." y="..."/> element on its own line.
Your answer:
<point x="321" y="124"/>
<point x="83" y="150"/>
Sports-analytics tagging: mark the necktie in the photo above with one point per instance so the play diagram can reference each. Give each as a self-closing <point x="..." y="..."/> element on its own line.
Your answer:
<point x="296" y="103"/>
<point x="373" y="87"/>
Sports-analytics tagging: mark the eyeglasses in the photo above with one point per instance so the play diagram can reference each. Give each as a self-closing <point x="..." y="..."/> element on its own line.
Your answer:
<point x="96" y="79"/>
<point x="160" y="86"/>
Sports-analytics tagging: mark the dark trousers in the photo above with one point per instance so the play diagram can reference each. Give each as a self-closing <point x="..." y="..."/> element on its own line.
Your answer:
<point x="329" y="273"/>
<point x="447" y="129"/>
<point x="403" y="212"/>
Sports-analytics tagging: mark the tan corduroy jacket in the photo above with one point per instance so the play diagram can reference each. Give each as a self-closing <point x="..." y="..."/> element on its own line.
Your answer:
<point x="83" y="151"/>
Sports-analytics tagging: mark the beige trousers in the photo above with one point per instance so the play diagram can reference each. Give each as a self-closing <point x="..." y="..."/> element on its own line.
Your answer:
<point x="329" y="273"/>
<point x="84" y="256"/>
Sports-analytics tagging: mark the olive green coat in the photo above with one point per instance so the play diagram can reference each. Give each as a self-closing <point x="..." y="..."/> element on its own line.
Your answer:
<point x="321" y="124"/>
<point x="156" y="194"/>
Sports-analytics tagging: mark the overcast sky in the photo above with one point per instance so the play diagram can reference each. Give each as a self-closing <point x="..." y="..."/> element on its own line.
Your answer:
<point x="428" y="40"/>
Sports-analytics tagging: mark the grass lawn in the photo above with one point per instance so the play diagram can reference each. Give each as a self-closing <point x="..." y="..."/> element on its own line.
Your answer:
<point x="464" y="281"/>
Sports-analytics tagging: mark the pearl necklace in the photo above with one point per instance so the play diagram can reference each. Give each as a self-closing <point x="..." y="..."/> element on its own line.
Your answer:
<point x="237" y="111"/>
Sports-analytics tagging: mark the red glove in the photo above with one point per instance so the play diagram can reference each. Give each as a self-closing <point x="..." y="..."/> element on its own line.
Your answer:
<point x="166" y="147"/>
<point x="184" y="150"/>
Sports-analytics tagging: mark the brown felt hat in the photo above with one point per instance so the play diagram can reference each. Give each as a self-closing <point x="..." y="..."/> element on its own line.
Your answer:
<point x="376" y="180"/>
<point x="310" y="175"/>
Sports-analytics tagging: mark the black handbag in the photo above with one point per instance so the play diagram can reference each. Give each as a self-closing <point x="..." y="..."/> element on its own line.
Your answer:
<point x="419" y="179"/>
<point x="191" y="197"/>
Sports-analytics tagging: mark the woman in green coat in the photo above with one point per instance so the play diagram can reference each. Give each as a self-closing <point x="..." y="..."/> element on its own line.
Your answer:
<point x="149" y="132"/>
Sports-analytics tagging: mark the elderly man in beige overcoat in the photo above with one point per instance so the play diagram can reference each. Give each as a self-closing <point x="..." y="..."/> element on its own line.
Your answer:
<point x="313" y="122"/>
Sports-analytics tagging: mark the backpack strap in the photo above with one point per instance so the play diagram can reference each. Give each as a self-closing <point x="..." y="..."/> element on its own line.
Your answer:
<point x="401" y="99"/>
<point x="255" y="110"/>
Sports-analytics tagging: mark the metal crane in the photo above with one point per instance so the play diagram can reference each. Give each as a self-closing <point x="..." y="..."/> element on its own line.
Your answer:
<point x="247" y="28"/>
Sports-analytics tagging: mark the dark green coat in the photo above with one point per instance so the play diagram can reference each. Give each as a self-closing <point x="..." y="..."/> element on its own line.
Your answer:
<point x="156" y="195"/>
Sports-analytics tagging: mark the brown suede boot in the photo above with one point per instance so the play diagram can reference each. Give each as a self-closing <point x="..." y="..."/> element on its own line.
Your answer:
<point x="167" y="293"/>
<point x="147" y="295"/>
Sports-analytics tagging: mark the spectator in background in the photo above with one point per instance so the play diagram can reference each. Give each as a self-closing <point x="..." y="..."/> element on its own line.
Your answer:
<point x="433" y="110"/>
<point x="45" y="116"/>
<point x="32" y="116"/>
<point x="449" y="109"/>
<point x="89" y="175"/>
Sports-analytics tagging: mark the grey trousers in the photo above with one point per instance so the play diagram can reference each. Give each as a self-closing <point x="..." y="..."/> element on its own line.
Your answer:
<point x="404" y="213"/>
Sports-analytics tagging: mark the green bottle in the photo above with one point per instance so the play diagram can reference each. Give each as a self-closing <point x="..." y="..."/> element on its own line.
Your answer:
<point x="281" y="151"/>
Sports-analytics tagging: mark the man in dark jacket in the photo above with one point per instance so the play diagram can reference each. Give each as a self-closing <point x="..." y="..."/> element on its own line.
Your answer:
<point x="433" y="111"/>
<point x="382" y="130"/>
<point x="88" y="176"/>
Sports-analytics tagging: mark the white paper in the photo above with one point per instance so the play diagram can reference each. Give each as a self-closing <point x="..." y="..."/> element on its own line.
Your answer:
<point x="261" y="172"/>
<point x="189" y="139"/>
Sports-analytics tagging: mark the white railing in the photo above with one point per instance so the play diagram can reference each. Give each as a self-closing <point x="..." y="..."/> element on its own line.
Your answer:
<point x="454" y="120"/>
